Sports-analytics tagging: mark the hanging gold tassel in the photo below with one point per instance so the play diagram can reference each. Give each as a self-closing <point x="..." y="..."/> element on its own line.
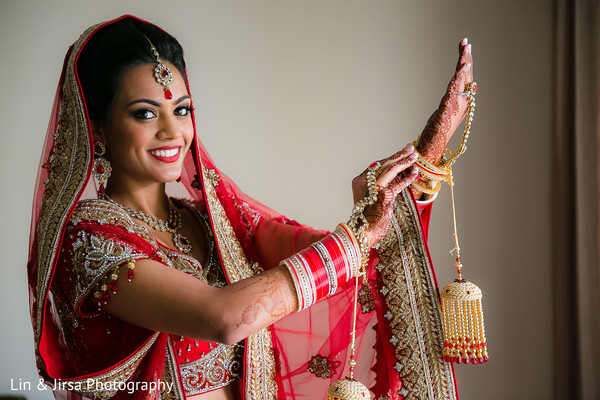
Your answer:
<point x="462" y="315"/>
<point x="464" y="334"/>
<point x="348" y="388"/>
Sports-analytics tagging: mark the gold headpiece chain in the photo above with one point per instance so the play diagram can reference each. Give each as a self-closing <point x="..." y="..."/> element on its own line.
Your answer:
<point x="162" y="73"/>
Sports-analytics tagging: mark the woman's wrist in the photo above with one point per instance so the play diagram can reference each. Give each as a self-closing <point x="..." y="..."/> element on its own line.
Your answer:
<point x="319" y="270"/>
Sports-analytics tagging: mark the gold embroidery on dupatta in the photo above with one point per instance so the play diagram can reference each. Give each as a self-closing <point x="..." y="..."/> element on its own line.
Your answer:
<point x="413" y="308"/>
<point x="210" y="271"/>
<point x="365" y="300"/>
<point x="260" y="362"/>
<point x="95" y="386"/>
<point x="233" y="258"/>
<point x="172" y="368"/>
<point x="67" y="175"/>
<point x="167" y="377"/>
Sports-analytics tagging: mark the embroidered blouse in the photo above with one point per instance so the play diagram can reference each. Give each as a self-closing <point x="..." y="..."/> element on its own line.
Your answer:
<point x="100" y="239"/>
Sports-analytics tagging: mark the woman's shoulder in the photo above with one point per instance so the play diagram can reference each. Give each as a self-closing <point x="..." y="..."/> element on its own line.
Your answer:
<point x="105" y="226"/>
<point x="105" y="215"/>
<point x="100" y="211"/>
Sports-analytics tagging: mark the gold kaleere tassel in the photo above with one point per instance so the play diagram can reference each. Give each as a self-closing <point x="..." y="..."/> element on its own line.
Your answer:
<point x="348" y="388"/>
<point x="462" y="315"/>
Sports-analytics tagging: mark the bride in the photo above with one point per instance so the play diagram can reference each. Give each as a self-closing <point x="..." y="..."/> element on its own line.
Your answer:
<point x="138" y="294"/>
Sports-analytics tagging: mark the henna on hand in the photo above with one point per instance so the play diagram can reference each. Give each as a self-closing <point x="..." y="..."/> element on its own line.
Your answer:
<point x="359" y="184"/>
<point x="379" y="215"/>
<point x="451" y="111"/>
<point x="275" y="298"/>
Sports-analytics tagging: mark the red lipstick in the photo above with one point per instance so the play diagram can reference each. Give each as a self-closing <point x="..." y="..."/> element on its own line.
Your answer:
<point x="167" y="154"/>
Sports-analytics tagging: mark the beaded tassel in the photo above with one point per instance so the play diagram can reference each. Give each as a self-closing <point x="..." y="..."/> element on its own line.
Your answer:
<point x="109" y="284"/>
<point x="348" y="388"/>
<point x="462" y="315"/>
<point x="464" y="335"/>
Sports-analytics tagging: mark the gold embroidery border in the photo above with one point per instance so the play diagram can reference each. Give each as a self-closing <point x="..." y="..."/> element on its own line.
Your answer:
<point x="67" y="176"/>
<point x="413" y="306"/>
<point x="259" y="360"/>
<point x="222" y="354"/>
<point x="120" y="373"/>
<point x="173" y="367"/>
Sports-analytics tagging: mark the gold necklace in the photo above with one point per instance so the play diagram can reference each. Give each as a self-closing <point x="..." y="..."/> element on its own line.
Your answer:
<point x="181" y="242"/>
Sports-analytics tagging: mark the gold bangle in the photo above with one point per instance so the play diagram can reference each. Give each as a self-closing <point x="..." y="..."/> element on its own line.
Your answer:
<point x="426" y="190"/>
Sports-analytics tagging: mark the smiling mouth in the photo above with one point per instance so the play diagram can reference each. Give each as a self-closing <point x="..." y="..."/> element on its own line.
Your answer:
<point x="166" y="155"/>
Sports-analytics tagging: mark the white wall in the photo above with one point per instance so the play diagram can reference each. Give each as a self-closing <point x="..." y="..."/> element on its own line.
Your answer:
<point x="295" y="98"/>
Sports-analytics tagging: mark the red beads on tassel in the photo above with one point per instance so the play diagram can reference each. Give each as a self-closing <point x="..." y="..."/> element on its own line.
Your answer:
<point x="130" y="266"/>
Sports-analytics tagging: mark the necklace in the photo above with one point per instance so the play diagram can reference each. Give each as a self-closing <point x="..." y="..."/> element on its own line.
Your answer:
<point x="172" y="225"/>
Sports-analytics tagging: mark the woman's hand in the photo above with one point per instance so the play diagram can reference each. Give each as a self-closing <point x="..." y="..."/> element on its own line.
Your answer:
<point x="452" y="109"/>
<point x="396" y="174"/>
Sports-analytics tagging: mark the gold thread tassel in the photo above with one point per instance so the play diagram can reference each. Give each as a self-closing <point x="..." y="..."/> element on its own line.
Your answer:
<point x="348" y="388"/>
<point x="464" y="334"/>
<point x="462" y="315"/>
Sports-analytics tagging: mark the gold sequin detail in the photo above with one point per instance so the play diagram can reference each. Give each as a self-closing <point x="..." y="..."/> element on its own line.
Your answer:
<point x="412" y="300"/>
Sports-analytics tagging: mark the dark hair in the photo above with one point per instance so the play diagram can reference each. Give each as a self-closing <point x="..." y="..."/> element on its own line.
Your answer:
<point x="113" y="50"/>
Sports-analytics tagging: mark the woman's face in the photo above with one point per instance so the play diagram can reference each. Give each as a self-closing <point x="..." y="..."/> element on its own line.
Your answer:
<point x="146" y="135"/>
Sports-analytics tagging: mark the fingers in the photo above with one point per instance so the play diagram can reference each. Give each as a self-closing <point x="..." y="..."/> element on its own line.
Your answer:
<point x="405" y="152"/>
<point x="386" y="162"/>
<point x="464" y="53"/>
<point x="401" y="182"/>
<point x="397" y="167"/>
<point x="464" y="66"/>
<point x="462" y="46"/>
<point x="390" y="168"/>
<point x="463" y="76"/>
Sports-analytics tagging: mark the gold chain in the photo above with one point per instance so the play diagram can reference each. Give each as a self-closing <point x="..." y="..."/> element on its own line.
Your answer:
<point x="181" y="242"/>
<point x="446" y="163"/>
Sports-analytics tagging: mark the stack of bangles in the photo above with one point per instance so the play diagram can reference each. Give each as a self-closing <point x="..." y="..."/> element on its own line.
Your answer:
<point x="430" y="176"/>
<point x="320" y="269"/>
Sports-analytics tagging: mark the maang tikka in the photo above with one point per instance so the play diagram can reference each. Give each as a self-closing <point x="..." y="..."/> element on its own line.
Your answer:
<point x="162" y="73"/>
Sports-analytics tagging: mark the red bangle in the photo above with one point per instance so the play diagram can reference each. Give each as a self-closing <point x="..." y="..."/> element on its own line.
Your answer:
<point x="320" y="269"/>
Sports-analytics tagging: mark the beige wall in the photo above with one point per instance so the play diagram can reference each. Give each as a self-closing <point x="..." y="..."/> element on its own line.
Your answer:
<point x="295" y="97"/>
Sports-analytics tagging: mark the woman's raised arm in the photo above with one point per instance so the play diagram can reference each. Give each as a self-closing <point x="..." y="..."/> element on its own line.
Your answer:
<point x="452" y="109"/>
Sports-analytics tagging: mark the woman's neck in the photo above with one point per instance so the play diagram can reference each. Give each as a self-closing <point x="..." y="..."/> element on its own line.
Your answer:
<point x="147" y="198"/>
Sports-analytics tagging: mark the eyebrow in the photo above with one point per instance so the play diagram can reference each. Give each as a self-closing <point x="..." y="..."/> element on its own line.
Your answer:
<point x="156" y="104"/>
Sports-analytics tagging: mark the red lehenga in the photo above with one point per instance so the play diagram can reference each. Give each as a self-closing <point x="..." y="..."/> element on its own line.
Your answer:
<point x="75" y="243"/>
